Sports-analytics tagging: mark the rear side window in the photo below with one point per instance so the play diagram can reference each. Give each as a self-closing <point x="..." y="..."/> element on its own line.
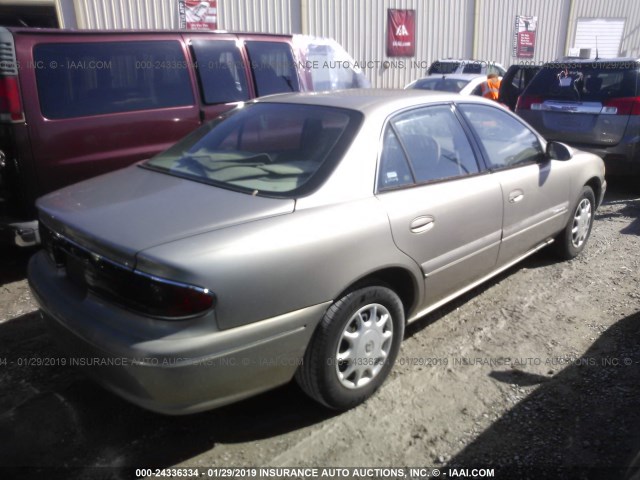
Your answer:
<point x="589" y="82"/>
<point x="83" y="79"/>
<point x="273" y="67"/>
<point x="221" y="71"/>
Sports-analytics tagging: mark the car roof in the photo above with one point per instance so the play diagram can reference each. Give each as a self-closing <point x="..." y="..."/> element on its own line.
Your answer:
<point x="141" y="33"/>
<point x="457" y="60"/>
<point x="593" y="60"/>
<point x="455" y="76"/>
<point x="467" y="60"/>
<point x="369" y="100"/>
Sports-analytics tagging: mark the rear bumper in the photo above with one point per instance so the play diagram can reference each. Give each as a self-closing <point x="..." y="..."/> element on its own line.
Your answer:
<point x="20" y="234"/>
<point x="164" y="367"/>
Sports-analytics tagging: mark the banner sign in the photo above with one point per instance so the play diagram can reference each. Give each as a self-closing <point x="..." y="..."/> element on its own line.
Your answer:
<point x="524" y="36"/>
<point x="198" y="15"/>
<point x="401" y="33"/>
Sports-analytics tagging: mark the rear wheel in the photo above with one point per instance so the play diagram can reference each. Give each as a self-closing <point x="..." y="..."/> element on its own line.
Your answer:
<point x="353" y="348"/>
<point x="575" y="235"/>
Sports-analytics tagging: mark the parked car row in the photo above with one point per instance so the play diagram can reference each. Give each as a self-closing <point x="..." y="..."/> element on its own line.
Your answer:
<point x="77" y="104"/>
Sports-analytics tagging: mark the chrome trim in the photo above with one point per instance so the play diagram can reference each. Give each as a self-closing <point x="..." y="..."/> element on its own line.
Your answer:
<point x="99" y="258"/>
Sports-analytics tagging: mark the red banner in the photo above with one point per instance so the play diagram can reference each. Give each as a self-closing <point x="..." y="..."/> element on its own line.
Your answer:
<point x="401" y="33"/>
<point x="524" y="42"/>
<point x="198" y="15"/>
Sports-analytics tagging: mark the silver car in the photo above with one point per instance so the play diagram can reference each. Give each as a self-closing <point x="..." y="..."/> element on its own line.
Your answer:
<point x="462" y="83"/>
<point x="296" y="237"/>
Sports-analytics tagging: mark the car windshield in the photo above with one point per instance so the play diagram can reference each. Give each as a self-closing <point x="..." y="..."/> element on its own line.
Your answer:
<point x="589" y="82"/>
<point x="441" y="84"/>
<point x="272" y="149"/>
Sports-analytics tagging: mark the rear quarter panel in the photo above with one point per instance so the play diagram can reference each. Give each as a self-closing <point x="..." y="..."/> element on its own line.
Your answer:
<point x="270" y="267"/>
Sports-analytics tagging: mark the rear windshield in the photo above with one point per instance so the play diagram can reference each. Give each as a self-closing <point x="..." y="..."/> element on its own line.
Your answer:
<point x="441" y="84"/>
<point x="588" y="82"/>
<point x="265" y="149"/>
<point x="82" y="79"/>
<point x="475" y="67"/>
<point x="443" y="67"/>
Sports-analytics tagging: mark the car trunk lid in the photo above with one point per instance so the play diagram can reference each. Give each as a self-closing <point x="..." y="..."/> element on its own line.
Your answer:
<point x="165" y="209"/>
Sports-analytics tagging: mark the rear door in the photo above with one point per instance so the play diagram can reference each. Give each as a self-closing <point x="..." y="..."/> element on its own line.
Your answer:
<point x="444" y="212"/>
<point x="96" y="103"/>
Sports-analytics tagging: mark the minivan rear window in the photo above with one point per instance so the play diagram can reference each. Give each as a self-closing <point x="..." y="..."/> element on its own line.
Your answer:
<point x="588" y="82"/>
<point x="83" y="79"/>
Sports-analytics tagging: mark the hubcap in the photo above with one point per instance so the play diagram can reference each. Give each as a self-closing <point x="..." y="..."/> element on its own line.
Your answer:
<point x="364" y="345"/>
<point x="581" y="223"/>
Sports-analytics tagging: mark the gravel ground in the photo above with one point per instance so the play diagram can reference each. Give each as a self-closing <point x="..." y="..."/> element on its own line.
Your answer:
<point x="535" y="374"/>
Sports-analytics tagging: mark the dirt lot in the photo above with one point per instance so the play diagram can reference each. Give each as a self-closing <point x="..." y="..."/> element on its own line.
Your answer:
<point x="536" y="374"/>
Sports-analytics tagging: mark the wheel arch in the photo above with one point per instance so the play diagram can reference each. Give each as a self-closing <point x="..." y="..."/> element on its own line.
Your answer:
<point x="398" y="279"/>
<point x="595" y="185"/>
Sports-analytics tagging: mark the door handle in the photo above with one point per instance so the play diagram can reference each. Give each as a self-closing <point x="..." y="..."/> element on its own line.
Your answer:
<point x="422" y="224"/>
<point x="516" y="196"/>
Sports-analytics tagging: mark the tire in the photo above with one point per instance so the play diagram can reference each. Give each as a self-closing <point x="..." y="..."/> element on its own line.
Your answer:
<point x="350" y="354"/>
<point x="575" y="235"/>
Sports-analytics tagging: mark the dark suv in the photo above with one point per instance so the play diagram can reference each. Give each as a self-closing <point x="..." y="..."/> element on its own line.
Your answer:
<point x="593" y="105"/>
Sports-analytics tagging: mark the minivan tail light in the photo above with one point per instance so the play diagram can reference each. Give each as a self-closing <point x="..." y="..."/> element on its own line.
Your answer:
<point x="529" y="102"/>
<point x="621" y="106"/>
<point x="10" y="103"/>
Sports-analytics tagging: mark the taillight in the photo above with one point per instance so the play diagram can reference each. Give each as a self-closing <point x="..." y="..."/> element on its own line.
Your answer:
<point x="529" y="102"/>
<point x="153" y="296"/>
<point x="10" y="103"/>
<point x="137" y="291"/>
<point x="621" y="106"/>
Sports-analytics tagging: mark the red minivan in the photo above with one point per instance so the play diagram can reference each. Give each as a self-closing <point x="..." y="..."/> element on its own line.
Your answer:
<point x="75" y="104"/>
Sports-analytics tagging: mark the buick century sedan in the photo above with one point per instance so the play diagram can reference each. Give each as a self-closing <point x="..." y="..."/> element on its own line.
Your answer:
<point x="295" y="237"/>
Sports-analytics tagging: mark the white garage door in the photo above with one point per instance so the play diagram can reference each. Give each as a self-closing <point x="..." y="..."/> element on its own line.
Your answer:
<point x="608" y="32"/>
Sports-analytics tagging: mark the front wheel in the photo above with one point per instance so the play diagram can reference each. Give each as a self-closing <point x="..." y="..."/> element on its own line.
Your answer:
<point x="575" y="235"/>
<point x="353" y="348"/>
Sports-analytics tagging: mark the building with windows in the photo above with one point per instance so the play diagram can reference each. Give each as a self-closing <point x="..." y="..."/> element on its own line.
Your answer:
<point x="502" y="31"/>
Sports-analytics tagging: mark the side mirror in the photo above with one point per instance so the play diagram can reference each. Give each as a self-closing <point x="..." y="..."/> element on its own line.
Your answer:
<point x="559" y="151"/>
